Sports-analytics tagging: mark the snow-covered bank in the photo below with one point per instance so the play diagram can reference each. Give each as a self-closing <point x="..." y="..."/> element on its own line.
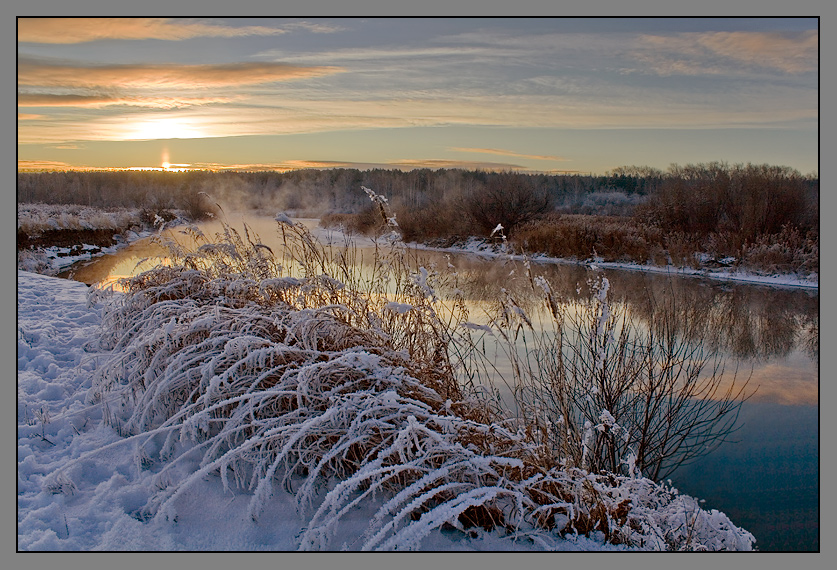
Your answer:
<point x="488" y="250"/>
<point x="52" y="238"/>
<point x="105" y="499"/>
<point x="55" y="259"/>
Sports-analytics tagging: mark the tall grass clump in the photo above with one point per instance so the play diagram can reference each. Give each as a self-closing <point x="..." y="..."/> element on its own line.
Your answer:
<point x="606" y="394"/>
<point x="340" y="382"/>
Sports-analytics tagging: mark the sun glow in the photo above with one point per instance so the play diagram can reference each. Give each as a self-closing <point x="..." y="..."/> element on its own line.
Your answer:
<point x="164" y="128"/>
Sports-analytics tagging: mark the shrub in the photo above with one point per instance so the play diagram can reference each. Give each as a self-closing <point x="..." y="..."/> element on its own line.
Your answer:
<point x="583" y="237"/>
<point x="506" y="199"/>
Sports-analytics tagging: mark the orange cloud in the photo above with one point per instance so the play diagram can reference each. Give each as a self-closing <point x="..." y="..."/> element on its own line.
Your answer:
<point x="79" y="30"/>
<point x="162" y="75"/>
<point x="713" y="52"/>
<point x="28" y="116"/>
<point x="510" y="153"/>
<point x="98" y="101"/>
<point x="30" y="165"/>
<point x="434" y="164"/>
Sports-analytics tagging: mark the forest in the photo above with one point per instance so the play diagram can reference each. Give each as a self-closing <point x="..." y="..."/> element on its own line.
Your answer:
<point x="758" y="216"/>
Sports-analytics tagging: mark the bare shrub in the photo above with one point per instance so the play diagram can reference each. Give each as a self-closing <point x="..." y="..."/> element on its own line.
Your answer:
<point x="583" y="237"/>
<point x="608" y="396"/>
<point x="367" y="222"/>
<point x="506" y="199"/>
<point x="747" y="200"/>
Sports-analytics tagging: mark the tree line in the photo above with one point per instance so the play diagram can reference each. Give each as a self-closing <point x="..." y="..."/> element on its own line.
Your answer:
<point x="731" y="206"/>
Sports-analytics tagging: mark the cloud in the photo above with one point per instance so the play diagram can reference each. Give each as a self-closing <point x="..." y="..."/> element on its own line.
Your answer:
<point x="296" y="113"/>
<point x="98" y="101"/>
<point x="510" y="153"/>
<point x="314" y="27"/>
<point x="29" y="165"/>
<point x="79" y="30"/>
<point x="28" y="117"/>
<point x="42" y="74"/>
<point x="447" y="163"/>
<point x="388" y="53"/>
<point x="725" y="52"/>
<point x="411" y="164"/>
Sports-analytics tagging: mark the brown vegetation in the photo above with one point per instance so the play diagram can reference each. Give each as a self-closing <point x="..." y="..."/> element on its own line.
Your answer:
<point x="765" y="217"/>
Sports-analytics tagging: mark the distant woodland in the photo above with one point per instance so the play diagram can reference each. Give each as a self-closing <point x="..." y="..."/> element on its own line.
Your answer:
<point x="763" y="216"/>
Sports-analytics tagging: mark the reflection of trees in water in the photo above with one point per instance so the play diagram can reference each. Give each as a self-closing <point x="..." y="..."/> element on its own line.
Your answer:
<point x="744" y="321"/>
<point x="811" y="335"/>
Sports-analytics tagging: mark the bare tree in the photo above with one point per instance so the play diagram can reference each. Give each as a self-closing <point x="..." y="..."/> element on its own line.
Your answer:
<point x="507" y="199"/>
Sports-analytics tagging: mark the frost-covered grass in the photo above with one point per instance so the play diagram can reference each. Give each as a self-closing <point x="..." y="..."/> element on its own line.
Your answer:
<point x="296" y="380"/>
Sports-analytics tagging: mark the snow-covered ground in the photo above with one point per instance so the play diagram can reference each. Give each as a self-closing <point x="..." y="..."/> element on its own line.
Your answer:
<point x="102" y="503"/>
<point x="100" y="508"/>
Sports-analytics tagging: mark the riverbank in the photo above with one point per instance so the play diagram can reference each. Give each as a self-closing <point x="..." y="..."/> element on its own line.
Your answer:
<point x="51" y="250"/>
<point x="494" y="250"/>
<point x="52" y="238"/>
<point x="497" y="248"/>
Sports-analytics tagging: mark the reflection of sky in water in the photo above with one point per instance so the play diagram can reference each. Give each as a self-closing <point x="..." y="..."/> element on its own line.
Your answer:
<point x="792" y="380"/>
<point x="769" y="482"/>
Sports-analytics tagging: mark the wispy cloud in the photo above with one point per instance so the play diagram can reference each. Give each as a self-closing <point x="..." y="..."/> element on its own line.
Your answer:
<point x="28" y="165"/>
<point x="510" y="153"/>
<point x="295" y="115"/>
<point x="448" y="163"/>
<point x="172" y="76"/>
<point x="715" y="53"/>
<point x="411" y="164"/>
<point x="28" y="117"/>
<point x="80" y="30"/>
<point x="387" y="53"/>
<point x="99" y="101"/>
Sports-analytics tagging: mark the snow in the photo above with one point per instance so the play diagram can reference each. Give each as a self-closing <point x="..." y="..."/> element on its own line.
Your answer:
<point x="100" y="506"/>
<point x="52" y="260"/>
<point x="102" y="467"/>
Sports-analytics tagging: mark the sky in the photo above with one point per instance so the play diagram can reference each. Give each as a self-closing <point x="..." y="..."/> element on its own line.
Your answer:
<point x="530" y="94"/>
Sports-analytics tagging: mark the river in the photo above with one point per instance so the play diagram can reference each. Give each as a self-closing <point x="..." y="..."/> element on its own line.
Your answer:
<point x="767" y="477"/>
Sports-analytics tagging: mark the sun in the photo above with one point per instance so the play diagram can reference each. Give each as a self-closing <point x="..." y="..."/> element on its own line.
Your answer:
<point x="164" y="128"/>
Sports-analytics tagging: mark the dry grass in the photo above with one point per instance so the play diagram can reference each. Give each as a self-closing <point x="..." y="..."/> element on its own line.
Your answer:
<point x="584" y="236"/>
<point x="623" y="239"/>
<point x="296" y="368"/>
<point x="786" y="252"/>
